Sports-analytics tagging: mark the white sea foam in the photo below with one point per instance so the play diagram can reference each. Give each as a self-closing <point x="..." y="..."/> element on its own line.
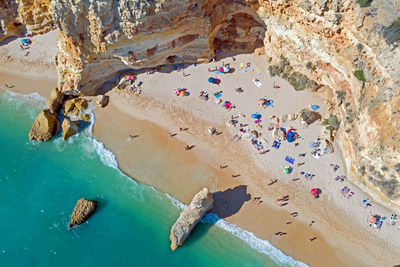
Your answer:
<point x="33" y="97"/>
<point x="106" y="156"/>
<point x="263" y="246"/>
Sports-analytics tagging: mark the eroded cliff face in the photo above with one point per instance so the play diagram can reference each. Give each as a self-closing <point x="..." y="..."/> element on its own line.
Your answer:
<point x="327" y="41"/>
<point x="19" y="16"/>
<point x="100" y="38"/>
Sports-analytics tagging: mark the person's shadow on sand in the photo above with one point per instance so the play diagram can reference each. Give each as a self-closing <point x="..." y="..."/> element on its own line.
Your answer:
<point x="229" y="202"/>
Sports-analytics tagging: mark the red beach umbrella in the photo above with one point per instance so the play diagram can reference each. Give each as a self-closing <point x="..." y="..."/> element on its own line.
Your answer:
<point x="314" y="191"/>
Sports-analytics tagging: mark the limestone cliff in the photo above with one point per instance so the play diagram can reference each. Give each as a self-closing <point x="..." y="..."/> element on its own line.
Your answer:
<point x="352" y="53"/>
<point x="100" y="38"/>
<point x="19" y="16"/>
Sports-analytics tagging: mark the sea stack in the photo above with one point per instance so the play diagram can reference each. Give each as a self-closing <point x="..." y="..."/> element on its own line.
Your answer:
<point x="83" y="210"/>
<point x="180" y="231"/>
<point x="45" y="126"/>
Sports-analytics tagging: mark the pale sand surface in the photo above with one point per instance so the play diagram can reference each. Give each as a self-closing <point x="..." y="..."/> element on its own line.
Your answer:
<point x="344" y="237"/>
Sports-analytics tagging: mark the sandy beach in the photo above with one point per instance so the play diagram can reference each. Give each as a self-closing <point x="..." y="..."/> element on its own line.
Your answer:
<point x="344" y="236"/>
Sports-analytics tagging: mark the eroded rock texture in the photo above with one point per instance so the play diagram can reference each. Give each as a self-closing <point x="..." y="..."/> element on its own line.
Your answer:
<point x="326" y="41"/>
<point x="83" y="210"/>
<point x="180" y="231"/>
<point x="100" y="38"/>
<point x="19" y="16"/>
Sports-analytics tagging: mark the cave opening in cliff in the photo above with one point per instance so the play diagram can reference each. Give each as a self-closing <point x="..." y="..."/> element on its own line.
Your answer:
<point x="239" y="33"/>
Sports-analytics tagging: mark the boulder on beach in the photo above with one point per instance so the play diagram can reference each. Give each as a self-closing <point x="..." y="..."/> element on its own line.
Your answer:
<point x="102" y="100"/>
<point x="69" y="128"/>
<point x="55" y="100"/>
<point x="180" y="231"/>
<point x="45" y="126"/>
<point x="83" y="210"/>
<point x="308" y="116"/>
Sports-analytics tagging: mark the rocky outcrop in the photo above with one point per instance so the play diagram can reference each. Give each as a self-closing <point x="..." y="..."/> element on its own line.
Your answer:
<point x="82" y="211"/>
<point x="201" y="203"/>
<point x="75" y="106"/>
<point x="10" y="25"/>
<point x="19" y="16"/>
<point x="351" y="53"/>
<point x="55" y="100"/>
<point x="69" y="128"/>
<point x="100" y="38"/>
<point x="45" y="126"/>
<point x="102" y="100"/>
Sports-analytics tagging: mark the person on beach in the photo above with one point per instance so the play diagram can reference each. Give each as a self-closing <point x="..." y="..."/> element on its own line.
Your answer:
<point x="187" y="147"/>
<point x="130" y="137"/>
<point x="311" y="223"/>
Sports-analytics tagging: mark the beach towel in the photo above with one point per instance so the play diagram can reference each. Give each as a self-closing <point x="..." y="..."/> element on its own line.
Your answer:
<point x="259" y="72"/>
<point x="257" y="121"/>
<point x="289" y="159"/>
<point x="253" y="67"/>
<point x="241" y="65"/>
<point x="217" y="95"/>
<point x="255" y="70"/>
<point x="244" y="71"/>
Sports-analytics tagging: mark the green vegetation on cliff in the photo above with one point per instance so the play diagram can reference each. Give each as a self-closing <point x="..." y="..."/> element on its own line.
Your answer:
<point x="360" y="75"/>
<point x="364" y="3"/>
<point x="392" y="33"/>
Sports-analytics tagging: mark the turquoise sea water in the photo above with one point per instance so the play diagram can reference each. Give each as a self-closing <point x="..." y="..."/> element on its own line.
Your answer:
<point x="41" y="182"/>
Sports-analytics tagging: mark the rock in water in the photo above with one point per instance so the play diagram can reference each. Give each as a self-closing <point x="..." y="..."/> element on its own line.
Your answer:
<point x="180" y="231"/>
<point x="45" y="126"/>
<point x="82" y="211"/>
<point x="102" y="100"/>
<point x="69" y="128"/>
<point x="55" y="100"/>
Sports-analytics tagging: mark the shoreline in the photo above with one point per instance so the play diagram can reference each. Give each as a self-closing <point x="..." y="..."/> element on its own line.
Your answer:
<point x="236" y="219"/>
<point x="156" y="124"/>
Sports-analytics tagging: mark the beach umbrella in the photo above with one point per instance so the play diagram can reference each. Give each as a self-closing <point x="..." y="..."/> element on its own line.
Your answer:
<point x="221" y="69"/>
<point x="372" y="220"/>
<point x="314" y="191"/>
<point x="286" y="170"/>
<point x="182" y="93"/>
<point x="211" y="80"/>
<point x="226" y="69"/>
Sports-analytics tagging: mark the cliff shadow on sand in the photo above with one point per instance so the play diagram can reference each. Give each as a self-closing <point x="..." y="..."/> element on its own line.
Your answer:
<point x="229" y="202"/>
